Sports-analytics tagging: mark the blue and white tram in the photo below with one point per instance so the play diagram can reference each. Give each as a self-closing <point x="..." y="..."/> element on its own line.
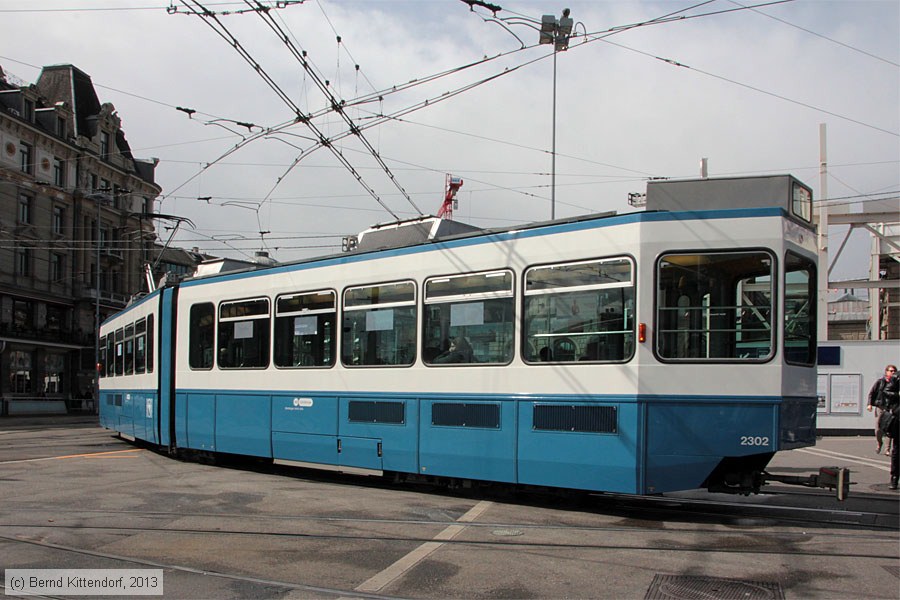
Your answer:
<point x="640" y="353"/>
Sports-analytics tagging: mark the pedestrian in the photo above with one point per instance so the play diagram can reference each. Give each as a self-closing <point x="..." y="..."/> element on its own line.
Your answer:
<point x="883" y="392"/>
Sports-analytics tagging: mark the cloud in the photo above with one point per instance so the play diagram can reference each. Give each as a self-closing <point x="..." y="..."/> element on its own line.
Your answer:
<point x="621" y="115"/>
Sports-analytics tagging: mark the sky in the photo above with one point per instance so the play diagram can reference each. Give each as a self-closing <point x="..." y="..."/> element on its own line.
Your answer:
<point x="747" y="89"/>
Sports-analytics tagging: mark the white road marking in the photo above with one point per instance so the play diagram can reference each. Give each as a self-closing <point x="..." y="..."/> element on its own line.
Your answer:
<point x="869" y="462"/>
<point x="380" y="580"/>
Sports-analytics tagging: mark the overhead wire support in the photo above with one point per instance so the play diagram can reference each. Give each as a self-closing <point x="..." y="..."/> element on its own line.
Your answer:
<point x="337" y="105"/>
<point x="223" y="32"/>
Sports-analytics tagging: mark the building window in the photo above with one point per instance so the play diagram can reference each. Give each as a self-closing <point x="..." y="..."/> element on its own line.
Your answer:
<point x="94" y="182"/>
<point x="28" y="110"/>
<point x="23" y="314"/>
<point x="54" y="371"/>
<point x="59" y="172"/>
<point x="61" y="127"/>
<point x="20" y="372"/>
<point x="25" y="204"/>
<point x="23" y="262"/>
<point x="59" y="219"/>
<point x="26" y="158"/>
<point x="56" y="318"/>
<point x="104" y="144"/>
<point x="57" y="267"/>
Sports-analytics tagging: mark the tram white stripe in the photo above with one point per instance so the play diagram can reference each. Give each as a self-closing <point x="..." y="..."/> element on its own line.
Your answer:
<point x="869" y="462"/>
<point x="380" y="580"/>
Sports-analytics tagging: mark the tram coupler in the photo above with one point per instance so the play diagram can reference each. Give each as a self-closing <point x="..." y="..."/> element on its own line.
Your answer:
<point x="836" y="478"/>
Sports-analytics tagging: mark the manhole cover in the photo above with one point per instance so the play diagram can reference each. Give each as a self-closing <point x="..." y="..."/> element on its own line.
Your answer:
<point x="686" y="587"/>
<point x="507" y="532"/>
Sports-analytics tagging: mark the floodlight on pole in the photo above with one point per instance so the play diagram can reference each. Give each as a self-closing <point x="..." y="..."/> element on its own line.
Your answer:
<point x="555" y="31"/>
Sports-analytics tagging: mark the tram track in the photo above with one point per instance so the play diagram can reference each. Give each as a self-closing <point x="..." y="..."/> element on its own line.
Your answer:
<point x="288" y="586"/>
<point x="84" y="513"/>
<point x="525" y="531"/>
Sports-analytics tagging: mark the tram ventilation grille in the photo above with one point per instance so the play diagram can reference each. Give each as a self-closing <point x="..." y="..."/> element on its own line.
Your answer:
<point x="689" y="587"/>
<point x="568" y="417"/>
<point x="458" y="414"/>
<point x="363" y="411"/>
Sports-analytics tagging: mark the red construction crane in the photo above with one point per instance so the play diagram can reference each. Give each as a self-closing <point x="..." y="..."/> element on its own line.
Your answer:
<point x="451" y="186"/>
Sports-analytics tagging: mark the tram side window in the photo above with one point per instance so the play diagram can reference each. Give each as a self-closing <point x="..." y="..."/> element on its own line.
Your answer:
<point x="581" y="311"/>
<point x="101" y="366"/>
<point x="243" y="339"/>
<point x="799" y="310"/>
<point x="715" y="306"/>
<point x="801" y="202"/>
<point x="129" y="349"/>
<point x="202" y="333"/>
<point x="110" y="366"/>
<point x="469" y="319"/>
<point x="305" y="329"/>
<point x="120" y="352"/>
<point x="149" y="343"/>
<point x="140" y="346"/>
<point x="379" y="325"/>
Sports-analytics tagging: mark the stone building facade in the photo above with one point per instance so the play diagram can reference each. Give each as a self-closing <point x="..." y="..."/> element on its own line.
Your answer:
<point x="75" y="232"/>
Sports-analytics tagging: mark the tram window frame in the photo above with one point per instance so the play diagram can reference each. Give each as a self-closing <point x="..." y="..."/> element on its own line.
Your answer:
<point x="250" y="322"/>
<point x="469" y="319"/>
<point x="202" y="336"/>
<point x="129" y="349"/>
<point x="140" y="346"/>
<point x="305" y="335"/>
<point x="788" y="334"/>
<point x="379" y="308"/>
<point x="120" y="352"/>
<point x="110" y="366"/>
<point x="101" y="365"/>
<point x="801" y="202"/>
<point x="580" y="347"/>
<point x="149" y="347"/>
<point x="697" y="337"/>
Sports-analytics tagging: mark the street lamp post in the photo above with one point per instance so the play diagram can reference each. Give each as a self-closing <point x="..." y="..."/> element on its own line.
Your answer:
<point x="96" y="391"/>
<point x="555" y="31"/>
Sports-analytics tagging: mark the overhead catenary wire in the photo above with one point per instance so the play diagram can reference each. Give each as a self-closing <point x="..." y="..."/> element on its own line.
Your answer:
<point x="336" y="104"/>
<point x="824" y="37"/>
<point x="223" y="32"/>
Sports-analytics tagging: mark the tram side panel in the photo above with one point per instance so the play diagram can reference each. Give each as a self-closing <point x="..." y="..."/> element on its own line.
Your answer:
<point x="129" y="398"/>
<point x="580" y="445"/>
<point x="166" y="361"/>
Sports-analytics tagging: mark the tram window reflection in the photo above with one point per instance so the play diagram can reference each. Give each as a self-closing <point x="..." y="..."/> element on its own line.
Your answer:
<point x="800" y="310"/>
<point x="243" y="334"/>
<point x="579" y="312"/>
<point x="201" y="336"/>
<point x="304" y="329"/>
<point x="715" y="306"/>
<point x="149" y="343"/>
<point x="379" y="325"/>
<point x="469" y="319"/>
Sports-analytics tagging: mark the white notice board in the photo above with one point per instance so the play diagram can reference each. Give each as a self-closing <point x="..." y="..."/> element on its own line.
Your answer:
<point x="845" y="394"/>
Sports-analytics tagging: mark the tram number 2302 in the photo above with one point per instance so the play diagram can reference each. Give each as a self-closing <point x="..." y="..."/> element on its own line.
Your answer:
<point x="754" y="440"/>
